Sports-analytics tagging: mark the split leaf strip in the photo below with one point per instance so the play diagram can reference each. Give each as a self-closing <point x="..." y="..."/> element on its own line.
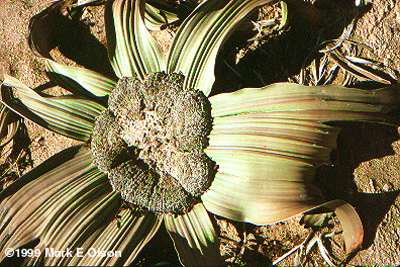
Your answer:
<point x="38" y="198"/>
<point x="68" y="203"/>
<point x="128" y="234"/>
<point x="195" y="238"/>
<point x="358" y="71"/>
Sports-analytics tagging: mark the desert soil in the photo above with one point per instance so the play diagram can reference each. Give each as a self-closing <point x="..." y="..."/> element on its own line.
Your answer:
<point x="366" y="169"/>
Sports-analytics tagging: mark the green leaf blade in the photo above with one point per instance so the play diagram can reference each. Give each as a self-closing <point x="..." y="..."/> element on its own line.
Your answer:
<point x="28" y="208"/>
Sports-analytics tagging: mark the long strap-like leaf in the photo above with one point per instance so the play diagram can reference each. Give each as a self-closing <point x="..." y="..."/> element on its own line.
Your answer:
<point x="38" y="198"/>
<point x="321" y="103"/>
<point x="267" y="143"/>
<point x="92" y="83"/>
<point x="68" y="115"/>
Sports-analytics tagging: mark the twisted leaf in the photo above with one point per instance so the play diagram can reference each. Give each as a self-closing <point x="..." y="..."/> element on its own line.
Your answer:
<point x="9" y="125"/>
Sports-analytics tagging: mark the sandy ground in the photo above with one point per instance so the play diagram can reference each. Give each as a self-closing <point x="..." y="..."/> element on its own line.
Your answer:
<point x="366" y="172"/>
